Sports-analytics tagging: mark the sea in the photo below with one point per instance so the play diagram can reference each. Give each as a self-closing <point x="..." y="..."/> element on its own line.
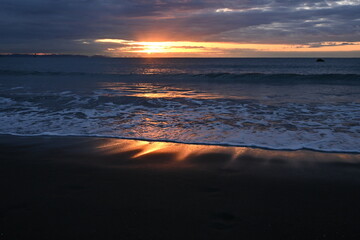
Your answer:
<point x="271" y="103"/>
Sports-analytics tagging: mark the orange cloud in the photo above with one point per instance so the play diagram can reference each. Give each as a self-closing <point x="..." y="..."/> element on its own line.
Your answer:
<point x="218" y="48"/>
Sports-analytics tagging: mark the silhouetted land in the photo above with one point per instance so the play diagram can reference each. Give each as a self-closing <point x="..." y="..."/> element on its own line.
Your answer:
<point x="51" y="55"/>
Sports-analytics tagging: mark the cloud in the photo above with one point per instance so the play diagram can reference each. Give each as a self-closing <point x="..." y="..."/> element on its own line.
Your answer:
<point x="57" y="26"/>
<point x="219" y="49"/>
<point x="330" y="44"/>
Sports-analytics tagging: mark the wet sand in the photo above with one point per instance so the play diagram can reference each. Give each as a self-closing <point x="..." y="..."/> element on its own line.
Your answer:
<point x="93" y="188"/>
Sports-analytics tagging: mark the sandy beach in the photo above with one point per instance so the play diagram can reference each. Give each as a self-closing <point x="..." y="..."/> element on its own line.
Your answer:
<point x="96" y="188"/>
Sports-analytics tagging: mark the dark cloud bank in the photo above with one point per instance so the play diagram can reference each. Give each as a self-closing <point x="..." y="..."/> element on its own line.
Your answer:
<point x="62" y="26"/>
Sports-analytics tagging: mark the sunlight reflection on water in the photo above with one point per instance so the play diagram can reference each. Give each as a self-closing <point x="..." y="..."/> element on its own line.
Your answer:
<point x="157" y="90"/>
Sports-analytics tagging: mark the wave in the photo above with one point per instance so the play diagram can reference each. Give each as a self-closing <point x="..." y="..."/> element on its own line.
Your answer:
<point x="223" y="144"/>
<point x="38" y="73"/>
<point x="334" y="78"/>
<point x="284" y="77"/>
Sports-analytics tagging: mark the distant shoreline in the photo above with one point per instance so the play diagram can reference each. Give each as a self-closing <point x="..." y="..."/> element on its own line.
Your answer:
<point x="110" y="57"/>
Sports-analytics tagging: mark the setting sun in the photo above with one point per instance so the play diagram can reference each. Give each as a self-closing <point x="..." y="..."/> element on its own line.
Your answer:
<point x="190" y="48"/>
<point x="152" y="47"/>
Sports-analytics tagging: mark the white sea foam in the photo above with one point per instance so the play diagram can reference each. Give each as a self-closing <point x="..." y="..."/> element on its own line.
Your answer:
<point x="277" y="111"/>
<point x="322" y="127"/>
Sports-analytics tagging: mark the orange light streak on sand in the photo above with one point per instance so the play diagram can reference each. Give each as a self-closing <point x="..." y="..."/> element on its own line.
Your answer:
<point x="230" y="157"/>
<point x="114" y="146"/>
<point x="219" y="47"/>
<point x="152" y="147"/>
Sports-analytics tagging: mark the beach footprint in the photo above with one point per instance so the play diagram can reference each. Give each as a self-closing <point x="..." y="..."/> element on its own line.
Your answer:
<point x="223" y="221"/>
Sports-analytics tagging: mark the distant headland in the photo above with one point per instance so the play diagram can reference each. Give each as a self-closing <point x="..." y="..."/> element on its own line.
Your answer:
<point x="49" y="55"/>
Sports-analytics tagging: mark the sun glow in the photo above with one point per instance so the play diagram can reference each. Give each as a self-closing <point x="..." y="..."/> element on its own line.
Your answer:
<point x="188" y="48"/>
<point x="158" y="47"/>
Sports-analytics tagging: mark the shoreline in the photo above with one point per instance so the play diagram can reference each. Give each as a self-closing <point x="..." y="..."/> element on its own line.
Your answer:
<point x="351" y="152"/>
<point x="96" y="188"/>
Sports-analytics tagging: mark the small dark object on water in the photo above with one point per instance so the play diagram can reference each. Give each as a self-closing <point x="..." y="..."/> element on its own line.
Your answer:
<point x="320" y="60"/>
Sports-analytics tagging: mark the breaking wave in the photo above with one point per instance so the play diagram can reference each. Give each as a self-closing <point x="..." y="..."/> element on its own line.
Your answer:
<point x="277" y="104"/>
<point x="219" y="77"/>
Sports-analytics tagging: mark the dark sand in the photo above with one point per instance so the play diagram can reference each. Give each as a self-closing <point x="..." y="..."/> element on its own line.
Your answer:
<point x="89" y="188"/>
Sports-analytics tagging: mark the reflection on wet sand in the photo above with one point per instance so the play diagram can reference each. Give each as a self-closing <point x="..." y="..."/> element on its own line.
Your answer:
<point x="227" y="157"/>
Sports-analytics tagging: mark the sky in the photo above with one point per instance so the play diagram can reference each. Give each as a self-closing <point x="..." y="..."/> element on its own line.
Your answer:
<point x="182" y="28"/>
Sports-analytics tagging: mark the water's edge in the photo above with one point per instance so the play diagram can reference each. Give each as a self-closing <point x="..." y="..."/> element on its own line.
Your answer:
<point x="179" y="142"/>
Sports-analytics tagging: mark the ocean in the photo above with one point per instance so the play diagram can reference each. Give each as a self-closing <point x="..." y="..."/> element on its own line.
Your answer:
<point x="282" y="104"/>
